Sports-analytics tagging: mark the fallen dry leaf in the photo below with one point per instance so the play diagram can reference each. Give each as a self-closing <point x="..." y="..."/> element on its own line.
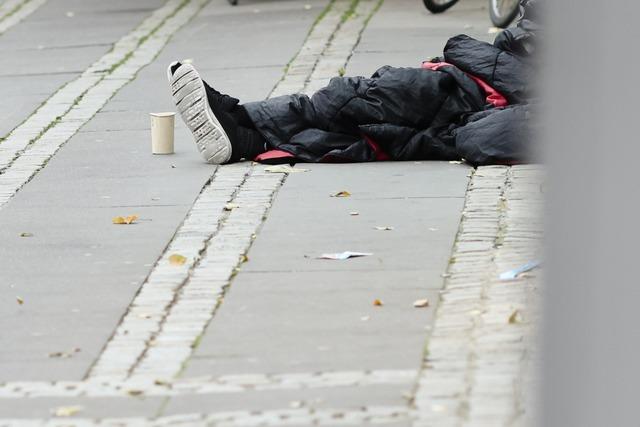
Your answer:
<point x="134" y="392"/>
<point x="420" y="303"/>
<point x="126" y="220"/>
<point x="20" y="300"/>
<point x="383" y="228"/>
<point x="516" y="317"/>
<point x="341" y="194"/>
<point x="26" y="234"/>
<point x="231" y="206"/>
<point x="244" y="258"/>
<point x="66" y="411"/>
<point x="378" y="303"/>
<point x="177" y="259"/>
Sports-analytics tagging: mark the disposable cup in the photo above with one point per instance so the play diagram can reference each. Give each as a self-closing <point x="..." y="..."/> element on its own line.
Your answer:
<point x="162" y="125"/>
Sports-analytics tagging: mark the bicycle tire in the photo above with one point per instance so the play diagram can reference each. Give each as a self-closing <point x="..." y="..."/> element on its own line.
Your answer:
<point x="502" y="18"/>
<point x="438" y="7"/>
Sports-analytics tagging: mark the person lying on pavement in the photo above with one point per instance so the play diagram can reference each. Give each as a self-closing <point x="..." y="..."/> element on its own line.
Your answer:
<point x="474" y="103"/>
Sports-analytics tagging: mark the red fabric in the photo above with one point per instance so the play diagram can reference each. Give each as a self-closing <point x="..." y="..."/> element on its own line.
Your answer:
<point x="272" y="155"/>
<point x="380" y="155"/>
<point x="494" y="97"/>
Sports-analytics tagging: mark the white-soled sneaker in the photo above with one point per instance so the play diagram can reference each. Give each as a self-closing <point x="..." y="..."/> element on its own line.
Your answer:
<point x="190" y="97"/>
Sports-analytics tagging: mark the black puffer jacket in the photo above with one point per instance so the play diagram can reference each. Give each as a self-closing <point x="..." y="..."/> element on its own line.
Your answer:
<point x="413" y="113"/>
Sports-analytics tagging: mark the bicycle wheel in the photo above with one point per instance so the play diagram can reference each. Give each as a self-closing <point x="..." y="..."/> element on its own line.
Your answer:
<point x="438" y="6"/>
<point x="502" y="12"/>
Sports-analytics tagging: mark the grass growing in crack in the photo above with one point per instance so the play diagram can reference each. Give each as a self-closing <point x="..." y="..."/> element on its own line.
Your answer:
<point x="146" y="37"/>
<point x="373" y="12"/>
<point x="350" y="12"/>
<point x="319" y="18"/>
<point x="13" y="11"/>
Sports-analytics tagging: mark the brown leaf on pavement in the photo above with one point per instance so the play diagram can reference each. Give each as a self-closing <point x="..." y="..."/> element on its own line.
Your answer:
<point x="231" y="206"/>
<point x="26" y="234"/>
<point x="342" y="193"/>
<point x="420" y="303"/>
<point x="378" y="303"/>
<point x="20" y="300"/>
<point x="177" y="259"/>
<point x="516" y="317"/>
<point x="126" y="220"/>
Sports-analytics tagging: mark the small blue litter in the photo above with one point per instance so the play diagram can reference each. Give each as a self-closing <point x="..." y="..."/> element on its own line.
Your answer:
<point x="513" y="274"/>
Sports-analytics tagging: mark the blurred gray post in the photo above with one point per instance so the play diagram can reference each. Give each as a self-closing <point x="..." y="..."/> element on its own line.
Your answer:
<point x="591" y="334"/>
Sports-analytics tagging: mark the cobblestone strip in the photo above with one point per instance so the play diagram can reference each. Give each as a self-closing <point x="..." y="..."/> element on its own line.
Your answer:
<point x="302" y="65"/>
<point x="206" y="385"/>
<point x="340" y="48"/>
<point x="478" y="351"/>
<point x="283" y="417"/>
<point x="198" y="300"/>
<point x="148" y="309"/>
<point x="29" y="146"/>
<point x="14" y="11"/>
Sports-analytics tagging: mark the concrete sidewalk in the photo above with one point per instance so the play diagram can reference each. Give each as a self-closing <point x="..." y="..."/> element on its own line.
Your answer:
<point x="252" y="329"/>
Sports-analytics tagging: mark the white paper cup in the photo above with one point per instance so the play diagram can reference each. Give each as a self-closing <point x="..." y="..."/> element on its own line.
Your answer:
<point x="162" y="125"/>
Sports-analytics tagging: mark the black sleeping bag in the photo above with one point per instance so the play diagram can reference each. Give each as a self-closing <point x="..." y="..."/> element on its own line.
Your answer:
<point x="415" y="113"/>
